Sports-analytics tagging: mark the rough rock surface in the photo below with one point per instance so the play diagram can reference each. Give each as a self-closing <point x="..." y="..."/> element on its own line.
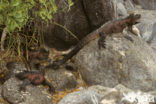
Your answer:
<point x="81" y="97"/>
<point x="74" y="20"/>
<point x="147" y="4"/>
<point x="2" y="101"/>
<point x="61" y="79"/>
<point x="125" y="61"/>
<point x="121" y="10"/>
<point x="103" y="95"/>
<point x="122" y="95"/>
<point x="99" y="11"/>
<point x="33" y="94"/>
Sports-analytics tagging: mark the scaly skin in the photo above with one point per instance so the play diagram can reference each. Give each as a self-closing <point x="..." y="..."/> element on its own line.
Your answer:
<point x="33" y="77"/>
<point x="116" y="26"/>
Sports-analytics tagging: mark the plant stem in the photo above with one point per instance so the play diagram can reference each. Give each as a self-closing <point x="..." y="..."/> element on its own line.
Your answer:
<point x="4" y="33"/>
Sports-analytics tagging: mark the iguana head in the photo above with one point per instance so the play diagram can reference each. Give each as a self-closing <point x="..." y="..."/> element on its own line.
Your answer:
<point x="133" y="19"/>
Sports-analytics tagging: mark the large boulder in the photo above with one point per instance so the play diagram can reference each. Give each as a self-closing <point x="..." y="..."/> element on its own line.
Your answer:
<point x="74" y="20"/>
<point x="33" y="94"/>
<point x="125" y="60"/>
<point x="83" y="17"/>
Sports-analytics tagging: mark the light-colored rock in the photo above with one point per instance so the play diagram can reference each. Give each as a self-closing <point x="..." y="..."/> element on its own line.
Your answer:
<point x="81" y="97"/>
<point x="121" y="10"/>
<point x="122" y="95"/>
<point x="125" y="61"/>
<point x="147" y="4"/>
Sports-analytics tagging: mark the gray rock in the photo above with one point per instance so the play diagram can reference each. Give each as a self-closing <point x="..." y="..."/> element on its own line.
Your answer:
<point x="12" y="69"/>
<point x="81" y="97"/>
<point x="122" y="61"/>
<point x="129" y="5"/>
<point x="120" y="1"/>
<point x="146" y="25"/>
<point x="2" y="100"/>
<point x="147" y="4"/>
<point x="3" y="67"/>
<point x="121" y="10"/>
<point x="33" y="94"/>
<point x="61" y="79"/>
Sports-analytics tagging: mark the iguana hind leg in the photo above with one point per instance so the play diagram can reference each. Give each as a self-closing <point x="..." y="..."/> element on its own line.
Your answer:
<point x="101" y="41"/>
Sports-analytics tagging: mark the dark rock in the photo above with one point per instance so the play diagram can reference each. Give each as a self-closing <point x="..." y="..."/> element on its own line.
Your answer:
<point x="84" y="17"/>
<point x="122" y="61"/>
<point x="99" y="11"/>
<point x="81" y="97"/>
<point x="73" y="19"/>
<point x="12" y="69"/>
<point x="146" y="4"/>
<point x="61" y="79"/>
<point x="33" y="94"/>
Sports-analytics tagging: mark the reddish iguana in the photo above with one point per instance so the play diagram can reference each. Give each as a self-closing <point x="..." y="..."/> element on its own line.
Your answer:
<point x="116" y="26"/>
<point x="33" y="77"/>
<point x="35" y="58"/>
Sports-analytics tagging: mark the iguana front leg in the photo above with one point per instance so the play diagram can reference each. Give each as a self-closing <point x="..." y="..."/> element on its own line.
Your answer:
<point x="101" y="41"/>
<point x="24" y="84"/>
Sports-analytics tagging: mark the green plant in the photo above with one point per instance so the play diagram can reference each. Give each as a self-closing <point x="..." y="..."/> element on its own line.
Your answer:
<point x="15" y="14"/>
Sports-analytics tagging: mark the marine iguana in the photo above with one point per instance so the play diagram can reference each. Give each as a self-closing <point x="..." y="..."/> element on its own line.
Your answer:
<point x="108" y="28"/>
<point x="35" y="78"/>
<point x="35" y="58"/>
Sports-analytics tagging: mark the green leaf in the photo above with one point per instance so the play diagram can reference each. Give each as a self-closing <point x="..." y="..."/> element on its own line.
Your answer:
<point x="15" y="3"/>
<point x="42" y="1"/>
<point x="3" y="5"/>
<point x="11" y="25"/>
<point x="43" y="13"/>
<point x="70" y="3"/>
<point x="1" y="19"/>
<point x="54" y="6"/>
<point x="49" y="16"/>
